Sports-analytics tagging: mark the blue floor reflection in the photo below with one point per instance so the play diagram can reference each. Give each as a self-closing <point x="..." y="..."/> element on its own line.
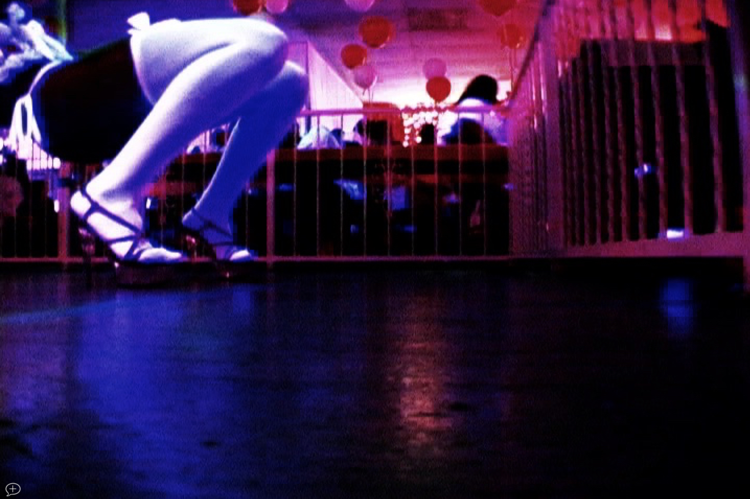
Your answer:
<point x="370" y="384"/>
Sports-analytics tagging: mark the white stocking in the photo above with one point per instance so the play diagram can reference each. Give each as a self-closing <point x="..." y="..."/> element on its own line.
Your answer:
<point x="264" y="121"/>
<point x="199" y="74"/>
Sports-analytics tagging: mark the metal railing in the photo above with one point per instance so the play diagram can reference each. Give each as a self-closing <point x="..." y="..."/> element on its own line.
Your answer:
<point x="624" y="131"/>
<point x="386" y="193"/>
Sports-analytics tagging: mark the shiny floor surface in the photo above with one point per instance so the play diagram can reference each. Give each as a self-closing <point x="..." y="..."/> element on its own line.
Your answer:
<point x="368" y="383"/>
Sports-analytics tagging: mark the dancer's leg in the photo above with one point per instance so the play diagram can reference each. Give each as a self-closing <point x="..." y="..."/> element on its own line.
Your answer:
<point x="264" y="121"/>
<point x="199" y="73"/>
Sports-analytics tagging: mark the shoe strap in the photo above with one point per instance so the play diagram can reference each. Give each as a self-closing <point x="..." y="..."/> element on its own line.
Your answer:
<point x="133" y="252"/>
<point x="206" y="225"/>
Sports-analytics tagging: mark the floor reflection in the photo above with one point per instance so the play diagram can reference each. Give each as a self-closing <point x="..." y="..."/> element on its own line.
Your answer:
<point x="368" y="384"/>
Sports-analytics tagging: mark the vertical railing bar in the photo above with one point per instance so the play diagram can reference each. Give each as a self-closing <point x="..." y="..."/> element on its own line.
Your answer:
<point x="45" y="225"/>
<point x="270" y="208"/>
<point x="26" y="194"/>
<point x="460" y="151"/>
<point x="531" y="165"/>
<point x="412" y="203"/>
<point x="29" y="174"/>
<point x="566" y="126"/>
<point x="436" y="181"/>
<point x="566" y="144"/>
<point x="50" y="174"/>
<point x="621" y="132"/>
<point x="519" y="186"/>
<point x="595" y="152"/>
<point x="684" y="120"/>
<point x="538" y="154"/>
<point x="584" y="141"/>
<point x="544" y="170"/>
<point x="51" y="190"/>
<point x="317" y="190"/>
<point x="63" y="221"/>
<point x="182" y="161"/>
<point x="606" y="65"/>
<point x="341" y="189"/>
<point x="546" y="141"/>
<point x="47" y="160"/>
<point x="204" y="162"/>
<point x="295" y="181"/>
<point x="2" y="240"/>
<point x="718" y="153"/>
<point x="388" y="186"/>
<point x="248" y="190"/>
<point x="460" y="188"/>
<point x="576" y="130"/>
<point x="366" y="194"/>
<point x="532" y="158"/>
<point x="510" y="184"/>
<point x="739" y="41"/>
<point x="46" y="214"/>
<point x="484" y="221"/>
<point x="638" y="120"/>
<point x="660" y="163"/>
<point x="246" y="221"/>
<point x="518" y="166"/>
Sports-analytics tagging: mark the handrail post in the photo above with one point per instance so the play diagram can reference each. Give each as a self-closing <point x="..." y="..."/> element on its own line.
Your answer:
<point x="270" y="208"/>
<point x="739" y="39"/>
<point x="554" y="216"/>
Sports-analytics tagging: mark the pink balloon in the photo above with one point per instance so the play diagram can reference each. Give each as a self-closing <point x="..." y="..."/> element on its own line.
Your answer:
<point x="360" y="5"/>
<point x="365" y="75"/>
<point x="276" y="6"/>
<point x="434" y="67"/>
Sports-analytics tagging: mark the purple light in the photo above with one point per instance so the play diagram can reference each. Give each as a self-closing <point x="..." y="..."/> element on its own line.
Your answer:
<point x="675" y="233"/>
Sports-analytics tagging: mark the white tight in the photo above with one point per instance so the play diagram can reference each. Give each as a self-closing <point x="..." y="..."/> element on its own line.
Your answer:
<point x="200" y="74"/>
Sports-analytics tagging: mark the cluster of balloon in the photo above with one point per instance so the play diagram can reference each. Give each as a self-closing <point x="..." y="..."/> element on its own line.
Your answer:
<point x="438" y="85"/>
<point x="250" y="7"/>
<point x="375" y="32"/>
<point x="497" y="7"/>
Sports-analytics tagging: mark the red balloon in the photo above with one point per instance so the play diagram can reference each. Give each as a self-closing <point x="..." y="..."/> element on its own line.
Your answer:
<point x="497" y="7"/>
<point x="376" y="31"/>
<point x="248" y="7"/>
<point x="439" y="88"/>
<point x="353" y="55"/>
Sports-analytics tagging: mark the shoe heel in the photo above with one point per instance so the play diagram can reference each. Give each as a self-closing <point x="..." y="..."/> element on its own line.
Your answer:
<point x="88" y="246"/>
<point x="191" y="245"/>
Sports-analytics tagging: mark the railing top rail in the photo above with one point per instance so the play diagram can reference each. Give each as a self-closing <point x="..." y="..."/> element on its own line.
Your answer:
<point x="406" y="110"/>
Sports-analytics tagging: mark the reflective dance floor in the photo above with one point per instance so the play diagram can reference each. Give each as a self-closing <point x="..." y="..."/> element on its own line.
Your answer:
<point x="375" y="383"/>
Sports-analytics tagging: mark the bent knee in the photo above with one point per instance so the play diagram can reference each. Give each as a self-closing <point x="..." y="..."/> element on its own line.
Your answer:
<point x="261" y="37"/>
<point x="296" y="83"/>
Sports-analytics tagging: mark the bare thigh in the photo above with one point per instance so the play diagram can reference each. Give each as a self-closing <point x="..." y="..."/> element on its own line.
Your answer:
<point x="163" y="50"/>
